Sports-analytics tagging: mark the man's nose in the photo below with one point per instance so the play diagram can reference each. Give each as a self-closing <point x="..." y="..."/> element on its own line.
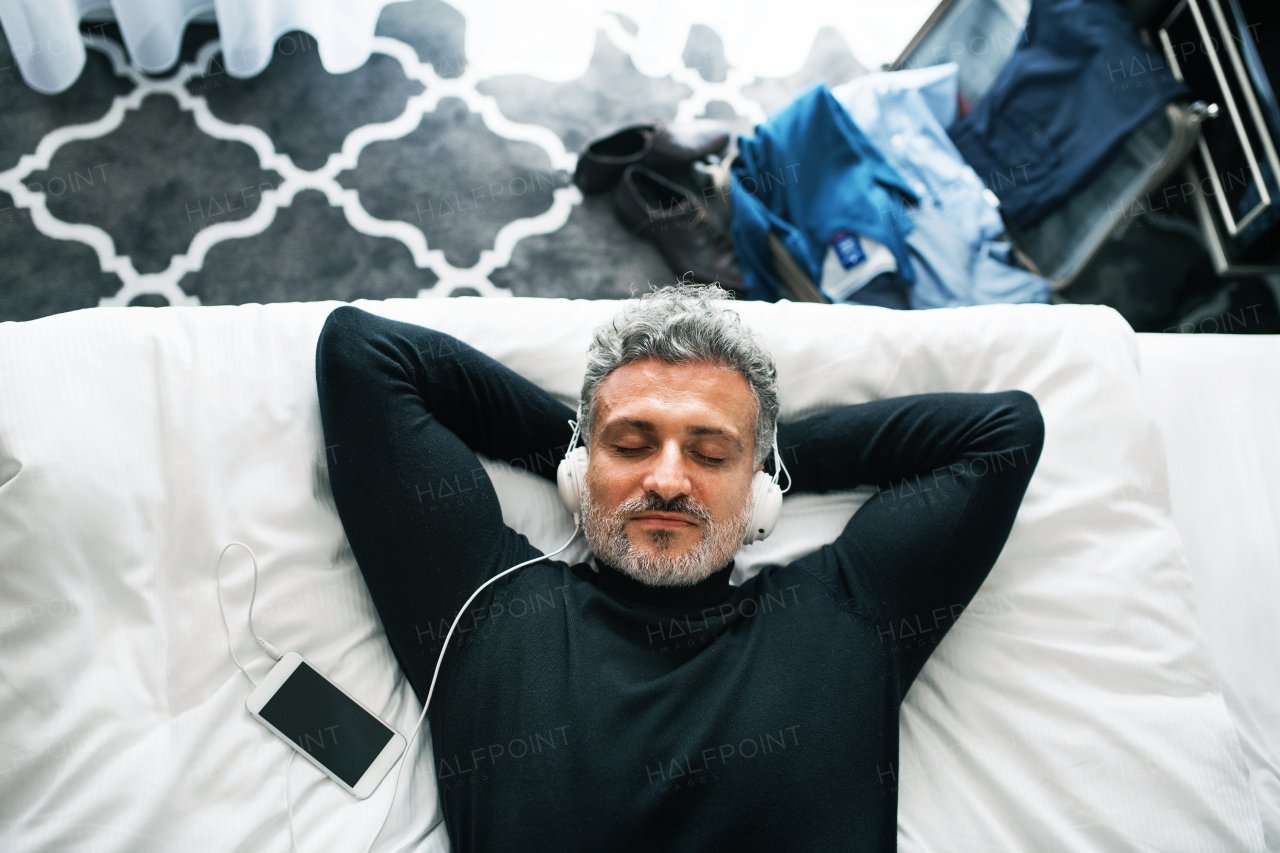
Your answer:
<point x="668" y="477"/>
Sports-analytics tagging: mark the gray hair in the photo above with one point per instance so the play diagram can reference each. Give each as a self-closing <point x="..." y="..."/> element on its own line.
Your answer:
<point x="683" y="324"/>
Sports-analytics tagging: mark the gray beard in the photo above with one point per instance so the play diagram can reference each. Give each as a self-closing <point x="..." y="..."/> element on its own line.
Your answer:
<point x="606" y="534"/>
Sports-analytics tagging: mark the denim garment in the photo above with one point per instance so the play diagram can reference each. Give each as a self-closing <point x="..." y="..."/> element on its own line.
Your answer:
<point x="1079" y="82"/>
<point x="807" y="173"/>
<point x="955" y="252"/>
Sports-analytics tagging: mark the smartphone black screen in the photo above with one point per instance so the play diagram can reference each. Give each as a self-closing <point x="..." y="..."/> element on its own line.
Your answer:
<point x="325" y="722"/>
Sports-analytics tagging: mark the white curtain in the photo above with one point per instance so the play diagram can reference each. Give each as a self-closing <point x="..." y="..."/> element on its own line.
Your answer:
<point x="553" y="39"/>
<point x="45" y="39"/>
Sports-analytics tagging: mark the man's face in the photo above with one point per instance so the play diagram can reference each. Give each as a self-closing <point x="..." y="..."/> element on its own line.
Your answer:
<point x="669" y="481"/>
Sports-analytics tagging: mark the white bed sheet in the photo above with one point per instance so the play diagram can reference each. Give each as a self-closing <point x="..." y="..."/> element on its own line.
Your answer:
<point x="1073" y="707"/>
<point x="1216" y="399"/>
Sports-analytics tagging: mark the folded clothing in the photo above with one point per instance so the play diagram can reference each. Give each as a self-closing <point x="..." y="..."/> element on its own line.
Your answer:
<point x="1064" y="103"/>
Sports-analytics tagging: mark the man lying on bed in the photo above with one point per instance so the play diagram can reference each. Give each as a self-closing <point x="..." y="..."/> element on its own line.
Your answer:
<point x="640" y="702"/>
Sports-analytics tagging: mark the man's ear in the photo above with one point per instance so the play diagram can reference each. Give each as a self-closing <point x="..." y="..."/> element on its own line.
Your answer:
<point x="759" y="468"/>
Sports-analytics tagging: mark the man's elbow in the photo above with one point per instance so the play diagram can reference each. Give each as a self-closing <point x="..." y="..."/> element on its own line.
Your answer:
<point x="1028" y="422"/>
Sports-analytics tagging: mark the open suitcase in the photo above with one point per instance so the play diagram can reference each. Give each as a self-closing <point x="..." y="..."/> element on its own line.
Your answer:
<point x="1229" y="127"/>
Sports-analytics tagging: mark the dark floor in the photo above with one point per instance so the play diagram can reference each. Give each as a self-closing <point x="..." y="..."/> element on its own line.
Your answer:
<point x="188" y="208"/>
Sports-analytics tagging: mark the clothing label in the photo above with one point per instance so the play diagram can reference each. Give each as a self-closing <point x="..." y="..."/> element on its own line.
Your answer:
<point x="844" y="272"/>
<point x="848" y="249"/>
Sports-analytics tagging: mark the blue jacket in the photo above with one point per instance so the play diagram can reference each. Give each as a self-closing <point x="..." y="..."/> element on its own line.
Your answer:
<point x="807" y="173"/>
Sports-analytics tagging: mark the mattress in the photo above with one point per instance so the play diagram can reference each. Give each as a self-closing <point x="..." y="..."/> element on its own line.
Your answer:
<point x="1074" y="706"/>
<point x="1216" y="399"/>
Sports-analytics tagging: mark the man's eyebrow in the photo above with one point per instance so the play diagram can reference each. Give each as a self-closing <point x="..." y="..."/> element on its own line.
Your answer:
<point x="709" y="430"/>
<point x="647" y="426"/>
<point x="634" y="423"/>
<point x="704" y="430"/>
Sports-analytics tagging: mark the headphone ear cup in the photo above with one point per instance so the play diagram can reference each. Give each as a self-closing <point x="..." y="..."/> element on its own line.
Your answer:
<point x="569" y="477"/>
<point x="766" y="506"/>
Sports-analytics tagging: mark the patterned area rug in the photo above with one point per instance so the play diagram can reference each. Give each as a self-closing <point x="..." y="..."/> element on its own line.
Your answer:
<point x="412" y="176"/>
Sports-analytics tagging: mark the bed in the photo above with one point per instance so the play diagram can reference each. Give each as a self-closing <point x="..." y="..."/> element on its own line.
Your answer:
<point x="1113" y="686"/>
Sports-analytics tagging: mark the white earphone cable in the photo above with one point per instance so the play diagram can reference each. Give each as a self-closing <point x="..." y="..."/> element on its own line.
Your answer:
<point x="781" y="469"/>
<point x="271" y="651"/>
<point x="267" y="647"/>
<point x="573" y="439"/>
<point x="439" y="660"/>
<point x="293" y="838"/>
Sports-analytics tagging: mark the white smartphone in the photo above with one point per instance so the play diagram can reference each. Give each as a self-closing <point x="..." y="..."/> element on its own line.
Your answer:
<point x="326" y="725"/>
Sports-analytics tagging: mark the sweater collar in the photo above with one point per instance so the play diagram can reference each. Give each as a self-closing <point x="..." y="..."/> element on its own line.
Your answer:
<point x="710" y="590"/>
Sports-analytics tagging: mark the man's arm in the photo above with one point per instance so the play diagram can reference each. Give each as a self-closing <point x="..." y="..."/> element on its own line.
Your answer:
<point x="405" y="409"/>
<point x="951" y="470"/>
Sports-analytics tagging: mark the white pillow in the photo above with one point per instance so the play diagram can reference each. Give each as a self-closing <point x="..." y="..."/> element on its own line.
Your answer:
<point x="1071" y="708"/>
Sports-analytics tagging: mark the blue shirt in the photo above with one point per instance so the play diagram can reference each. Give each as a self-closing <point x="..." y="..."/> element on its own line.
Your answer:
<point x="956" y="256"/>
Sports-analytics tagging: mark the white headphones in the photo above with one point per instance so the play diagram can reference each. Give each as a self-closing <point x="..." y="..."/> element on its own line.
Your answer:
<point x="766" y="494"/>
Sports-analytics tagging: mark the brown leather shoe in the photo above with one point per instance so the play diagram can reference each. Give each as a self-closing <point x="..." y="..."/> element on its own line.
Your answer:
<point x="603" y="160"/>
<point x="673" y="219"/>
<point x="662" y="147"/>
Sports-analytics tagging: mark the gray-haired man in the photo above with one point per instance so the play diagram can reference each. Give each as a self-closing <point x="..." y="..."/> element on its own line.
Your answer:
<point x="641" y="702"/>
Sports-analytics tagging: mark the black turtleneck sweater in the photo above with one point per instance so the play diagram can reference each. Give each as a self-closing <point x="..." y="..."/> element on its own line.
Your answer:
<point x="580" y="710"/>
